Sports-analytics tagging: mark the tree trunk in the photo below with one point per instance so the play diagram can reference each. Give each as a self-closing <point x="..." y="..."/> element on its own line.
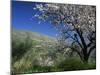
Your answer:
<point x="85" y="56"/>
<point x="85" y="60"/>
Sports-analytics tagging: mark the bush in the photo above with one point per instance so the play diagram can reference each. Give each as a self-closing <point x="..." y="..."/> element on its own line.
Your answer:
<point x="20" y="46"/>
<point x="74" y="64"/>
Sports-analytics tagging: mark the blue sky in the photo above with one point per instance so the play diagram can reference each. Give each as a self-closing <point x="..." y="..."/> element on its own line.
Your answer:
<point x="22" y="19"/>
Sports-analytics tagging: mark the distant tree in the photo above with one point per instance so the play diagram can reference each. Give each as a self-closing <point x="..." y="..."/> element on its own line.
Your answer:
<point x="75" y="23"/>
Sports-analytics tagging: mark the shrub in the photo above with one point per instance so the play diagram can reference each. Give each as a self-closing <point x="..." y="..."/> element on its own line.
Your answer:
<point x="74" y="64"/>
<point x="20" y="46"/>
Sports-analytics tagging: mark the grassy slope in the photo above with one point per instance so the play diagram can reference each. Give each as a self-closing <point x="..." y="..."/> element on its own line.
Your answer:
<point x="37" y="55"/>
<point x="37" y="58"/>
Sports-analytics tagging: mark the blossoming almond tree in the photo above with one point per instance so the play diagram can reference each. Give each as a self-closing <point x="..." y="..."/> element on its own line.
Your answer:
<point x="76" y="23"/>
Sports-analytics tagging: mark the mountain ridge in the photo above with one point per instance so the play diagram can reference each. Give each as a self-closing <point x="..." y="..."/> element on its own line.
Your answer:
<point x="32" y="35"/>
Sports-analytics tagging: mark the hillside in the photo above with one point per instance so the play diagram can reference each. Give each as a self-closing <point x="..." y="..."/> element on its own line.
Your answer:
<point x="34" y="52"/>
<point x="40" y="53"/>
<point x="32" y="35"/>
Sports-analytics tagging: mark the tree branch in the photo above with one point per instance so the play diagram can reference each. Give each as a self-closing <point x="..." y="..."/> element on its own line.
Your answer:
<point x="82" y="39"/>
<point x="78" y="52"/>
<point x="91" y="49"/>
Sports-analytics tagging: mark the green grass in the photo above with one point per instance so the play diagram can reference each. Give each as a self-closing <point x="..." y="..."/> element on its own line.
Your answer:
<point x="75" y="64"/>
<point x="30" y="57"/>
<point x="66" y="65"/>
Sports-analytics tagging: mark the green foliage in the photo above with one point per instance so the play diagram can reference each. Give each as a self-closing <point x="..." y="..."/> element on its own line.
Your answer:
<point x="32" y="55"/>
<point x="74" y="64"/>
<point x="20" y="46"/>
<point x="66" y="65"/>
